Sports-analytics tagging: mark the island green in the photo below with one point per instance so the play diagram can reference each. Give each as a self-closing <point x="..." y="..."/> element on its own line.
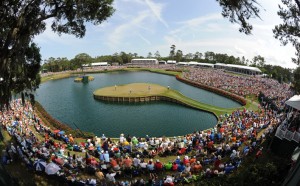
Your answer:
<point x="140" y="92"/>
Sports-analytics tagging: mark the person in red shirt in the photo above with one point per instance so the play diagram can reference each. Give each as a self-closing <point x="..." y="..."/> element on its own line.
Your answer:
<point x="186" y="160"/>
<point x="197" y="167"/>
<point x="127" y="162"/>
<point x="158" y="166"/>
<point x="217" y="162"/>
<point x="114" y="164"/>
<point x="259" y="153"/>
<point x="174" y="166"/>
<point x="193" y="160"/>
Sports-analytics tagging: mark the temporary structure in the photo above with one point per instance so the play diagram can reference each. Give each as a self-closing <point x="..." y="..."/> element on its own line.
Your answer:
<point x="294" y="102"/>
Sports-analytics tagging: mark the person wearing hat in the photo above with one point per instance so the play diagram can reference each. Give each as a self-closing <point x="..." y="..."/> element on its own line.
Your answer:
<point x="197" y="167"/>
<point x="186" y="160"/>
<point x="169" y="181"/>
<point x="217" y="162"/>
<point x="193" y="160"/>
<point x="71" y="139"/>
<point x="127" y="162"/>
<point x="177" y="160"/>
<point x="101" y="156"/>
<point x="147" y="138"/>
<point x="229" y="168"/>
<point x="158" y="166"/>
<point x="136" y="161"/>
<point x="122" y="139"/>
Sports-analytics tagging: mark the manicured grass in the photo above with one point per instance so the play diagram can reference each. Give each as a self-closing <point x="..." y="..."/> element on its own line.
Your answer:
<point x="69" y="74"/>
<point x="55" y="76"/>
<point x="132" y="90"/>
<point x="142" y="90"/>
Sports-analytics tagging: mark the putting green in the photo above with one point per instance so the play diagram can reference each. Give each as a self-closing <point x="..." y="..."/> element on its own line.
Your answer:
<point x="132" y="90"/>
<point x="137" y="90"/>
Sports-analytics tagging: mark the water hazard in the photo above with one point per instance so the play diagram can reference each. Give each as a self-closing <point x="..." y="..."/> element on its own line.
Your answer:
<point x="71" y="102"/>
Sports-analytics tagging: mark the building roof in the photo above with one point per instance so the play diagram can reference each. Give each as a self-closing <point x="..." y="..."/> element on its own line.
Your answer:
<point x="240" y="66"/>
<point x="171" y="61"/>
<point x="95" y="64"/>
<point x="206" y="64"/>
<point x="144" y="59"/>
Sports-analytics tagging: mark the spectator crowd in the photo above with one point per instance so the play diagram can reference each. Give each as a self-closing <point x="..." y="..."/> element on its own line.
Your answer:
<point x="130" y="160"/>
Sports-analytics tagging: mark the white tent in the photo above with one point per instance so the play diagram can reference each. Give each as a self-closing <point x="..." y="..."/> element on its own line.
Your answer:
<point x="294" y="102"/>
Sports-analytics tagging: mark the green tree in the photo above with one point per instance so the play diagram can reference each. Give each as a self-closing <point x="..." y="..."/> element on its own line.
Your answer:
<point x="297" y="80"/>
<point x="258" y="61"/>
<point x="21" y="21"/>
<point x="81" y="59"/>
<point x="117" y="58"/>
<point x="240" y="11"/>
<point x="189" y="56"/>
<point x="288" y="31"/>
<point x="149" y="55"/>
<point x="172" y="51"/>
<point x="196" y="56"/>
<point x="126" y="58"/>
<point x="157" y="55"/>
<point x="178" y="55"/>
<point x="209" y="56"/>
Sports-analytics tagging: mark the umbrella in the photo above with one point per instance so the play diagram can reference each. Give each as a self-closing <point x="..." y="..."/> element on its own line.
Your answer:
<point x="52" y="168"/>
<point x="61" y="132"/>
<point x="39" y="165"/>
<point x="56" y="131"/>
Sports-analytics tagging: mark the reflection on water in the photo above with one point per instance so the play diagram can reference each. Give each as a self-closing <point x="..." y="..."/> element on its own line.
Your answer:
<point x="72" y="102"/>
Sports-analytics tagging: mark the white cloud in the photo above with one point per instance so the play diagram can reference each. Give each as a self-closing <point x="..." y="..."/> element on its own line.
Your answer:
<point x="136" y="26"/>
<point x="239" y="50"/>
<point x="144" y="39"/>
<point x="156" y="8"/>
<point x="195" y="23"/>
<point x="125" y="29"/>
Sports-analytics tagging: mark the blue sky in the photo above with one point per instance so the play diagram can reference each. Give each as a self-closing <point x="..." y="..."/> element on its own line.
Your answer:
<point x="143" y="26"/>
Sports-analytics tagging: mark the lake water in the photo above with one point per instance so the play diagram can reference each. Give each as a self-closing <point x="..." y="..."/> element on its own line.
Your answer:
<point x="71" y="102"/>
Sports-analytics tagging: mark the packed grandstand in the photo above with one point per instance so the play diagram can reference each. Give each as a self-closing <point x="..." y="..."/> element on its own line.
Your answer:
<point x="136" y="160"/>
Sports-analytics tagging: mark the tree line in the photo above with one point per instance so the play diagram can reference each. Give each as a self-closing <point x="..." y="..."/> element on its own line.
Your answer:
<point x="62" y="64"/>
<point x="20" y="58"/>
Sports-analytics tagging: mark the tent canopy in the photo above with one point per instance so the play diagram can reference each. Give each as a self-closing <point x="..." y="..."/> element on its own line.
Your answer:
<point x="294" y="102"/>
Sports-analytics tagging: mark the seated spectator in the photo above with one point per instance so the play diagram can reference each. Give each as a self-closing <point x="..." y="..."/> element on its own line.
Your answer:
<point x="158" y="166"/>
<point x="197" y="167"/>
<point x="99" y="175"/>
<point x="168" y="166"/>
